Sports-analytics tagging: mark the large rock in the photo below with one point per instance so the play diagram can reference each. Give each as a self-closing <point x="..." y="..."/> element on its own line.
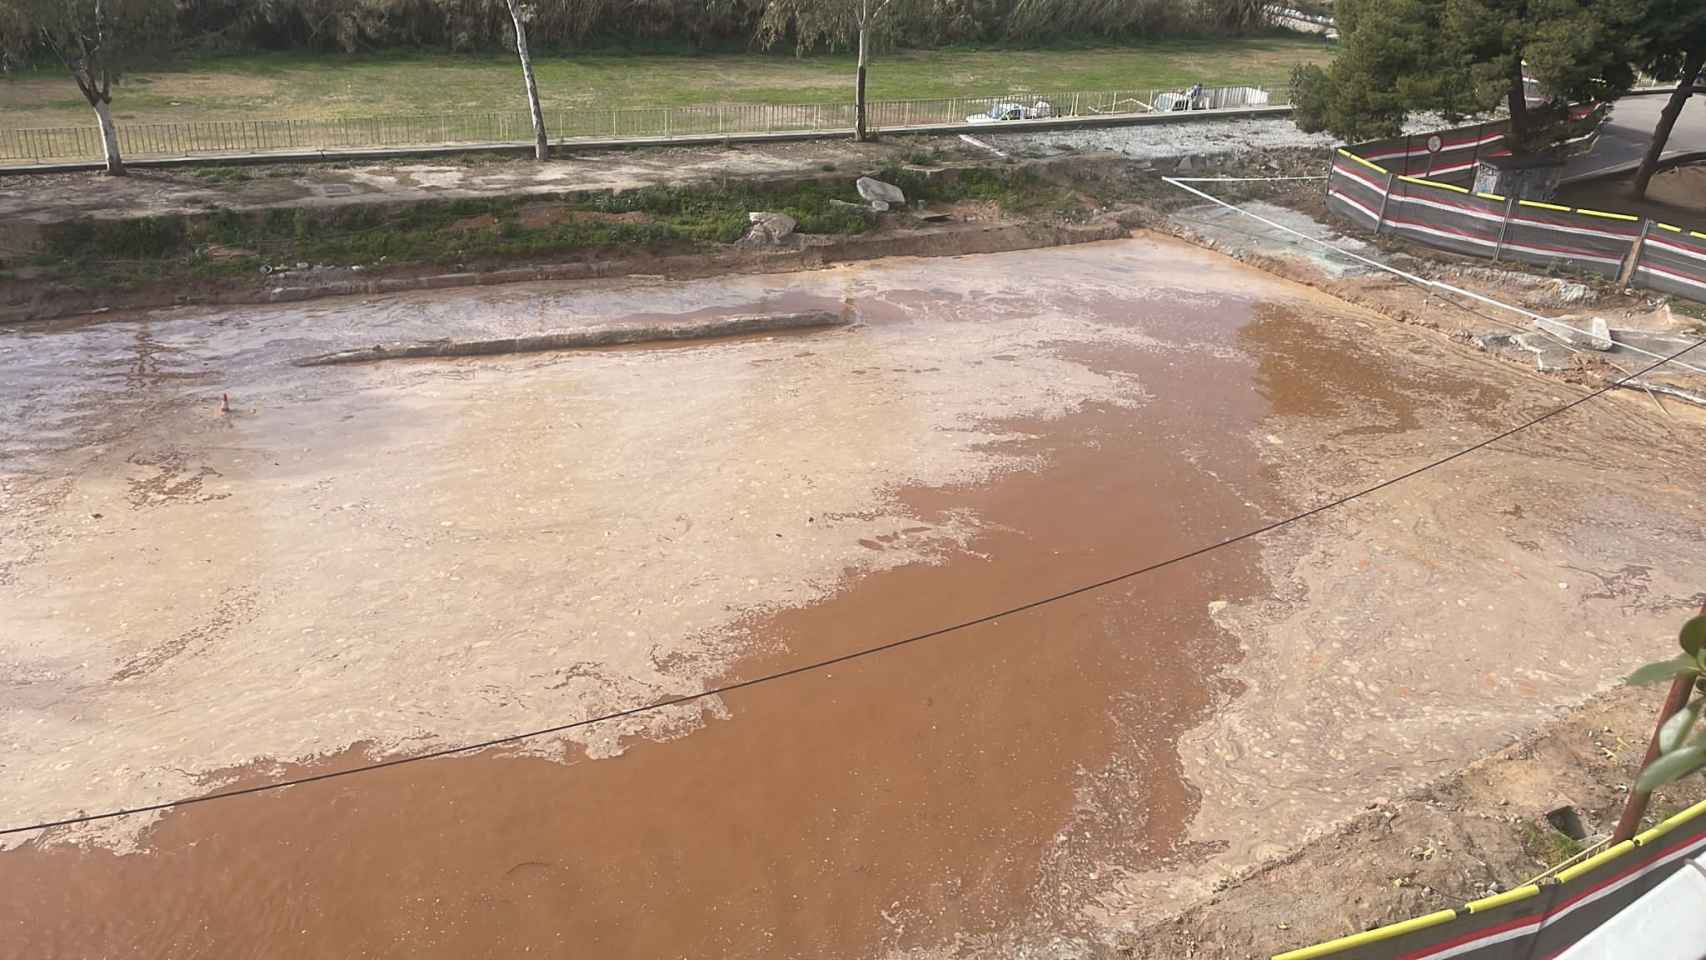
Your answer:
<point x="769" y="229"/>
<point x="878" y="190"/>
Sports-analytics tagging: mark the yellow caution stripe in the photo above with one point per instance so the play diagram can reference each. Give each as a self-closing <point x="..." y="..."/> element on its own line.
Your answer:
<point x="1544" y="206"/>
<point x="1497" y="900"/>
<point x="1369" y="936"/>
<point x="1666" y="226"/>
<point x="1436" y="183"/>
<point x="1377" y="168"/>
<point x="1594" y="862"/>
<point x="1669" y="823"/>
<point x="1500" y="899"/>
<point x="1490" y="196"/>
<point x="1608" y="216"/>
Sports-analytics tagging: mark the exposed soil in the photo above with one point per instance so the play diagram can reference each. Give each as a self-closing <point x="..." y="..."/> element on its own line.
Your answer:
<point x="1676" y="196"/>
<point x="1473" y="833"/>
<point x="382" y="559"/>
<point x="1648" y="326"/>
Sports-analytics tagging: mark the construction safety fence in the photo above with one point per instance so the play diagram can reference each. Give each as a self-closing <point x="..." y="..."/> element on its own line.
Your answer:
<point x="1636" y="251"/>
<point x="1539" y="919"/>
<point x="1450" y="156"/>
<point x="216" y="137"/>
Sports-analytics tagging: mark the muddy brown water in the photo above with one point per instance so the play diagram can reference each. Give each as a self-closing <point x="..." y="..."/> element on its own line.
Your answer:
<point x="970" y="784"/>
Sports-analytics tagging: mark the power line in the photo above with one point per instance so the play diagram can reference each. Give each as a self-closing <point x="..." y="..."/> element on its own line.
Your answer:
<point x="866" y="651"/>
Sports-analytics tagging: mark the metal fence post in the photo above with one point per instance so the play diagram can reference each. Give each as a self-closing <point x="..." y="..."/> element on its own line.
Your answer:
<point x="1627" y="276"/>
<point x="1385" y="198"/>
<point x="1510" y="204"/>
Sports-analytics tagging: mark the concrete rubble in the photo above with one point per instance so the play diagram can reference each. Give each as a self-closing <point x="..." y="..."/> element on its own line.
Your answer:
<point x="769" y="229"/>
<point x="877" y="192"/>
<point x="1590" y="333"/>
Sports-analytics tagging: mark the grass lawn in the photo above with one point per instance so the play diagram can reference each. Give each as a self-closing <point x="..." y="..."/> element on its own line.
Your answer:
<point x="295" y="86"/>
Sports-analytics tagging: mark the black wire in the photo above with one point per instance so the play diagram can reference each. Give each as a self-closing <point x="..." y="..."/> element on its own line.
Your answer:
<point x="866" y="651"/>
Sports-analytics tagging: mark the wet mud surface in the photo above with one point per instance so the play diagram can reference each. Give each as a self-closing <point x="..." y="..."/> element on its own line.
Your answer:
<point x="954" y="786"/>
<point x="442" y="551"/>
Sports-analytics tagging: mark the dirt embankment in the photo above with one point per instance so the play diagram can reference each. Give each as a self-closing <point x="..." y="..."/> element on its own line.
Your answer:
<point x="1473" y="833"/>
<point x="301" y="249"/>
<point x="36" y="302"/>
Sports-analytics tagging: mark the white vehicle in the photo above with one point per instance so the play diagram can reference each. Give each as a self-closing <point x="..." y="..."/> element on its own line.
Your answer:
<point x="1191" y="99"/>
<point x="1013" y="111"/>
<point x="1214" y="98"/>
<point x="1168" y="102"/>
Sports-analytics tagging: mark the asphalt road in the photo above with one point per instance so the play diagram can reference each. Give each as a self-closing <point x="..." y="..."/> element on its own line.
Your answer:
<point x="1624" y="138"/>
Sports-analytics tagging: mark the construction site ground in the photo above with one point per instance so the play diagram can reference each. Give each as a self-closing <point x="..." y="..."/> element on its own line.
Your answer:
<point x="374" y="560"/>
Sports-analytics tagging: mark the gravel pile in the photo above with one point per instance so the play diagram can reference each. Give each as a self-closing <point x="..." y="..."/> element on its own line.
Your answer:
<point x="1174" y="139"/>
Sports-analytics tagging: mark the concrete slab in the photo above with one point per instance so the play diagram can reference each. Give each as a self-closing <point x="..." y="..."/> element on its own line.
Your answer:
<point x="1240" y="235"/>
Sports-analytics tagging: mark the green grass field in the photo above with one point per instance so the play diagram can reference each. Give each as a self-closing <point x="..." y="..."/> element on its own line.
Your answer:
<point x="294" y="86"/>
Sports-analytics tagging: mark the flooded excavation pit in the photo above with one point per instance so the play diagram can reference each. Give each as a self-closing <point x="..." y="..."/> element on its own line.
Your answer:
<point x="381" y="560"/>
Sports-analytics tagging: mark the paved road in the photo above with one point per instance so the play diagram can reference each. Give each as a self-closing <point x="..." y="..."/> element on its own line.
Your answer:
<point x="1625" y="137"/>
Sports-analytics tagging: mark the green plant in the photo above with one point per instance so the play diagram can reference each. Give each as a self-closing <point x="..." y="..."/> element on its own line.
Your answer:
<point x="1678" y="755"/>
<point x="1546" y="844"/>
<point x="142" y="238"/>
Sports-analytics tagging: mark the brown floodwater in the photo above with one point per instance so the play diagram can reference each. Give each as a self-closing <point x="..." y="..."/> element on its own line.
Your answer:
<point x="973" y="784"/>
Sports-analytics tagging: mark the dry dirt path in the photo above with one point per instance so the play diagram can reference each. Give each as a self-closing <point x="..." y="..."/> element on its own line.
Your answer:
<point x="378" y="559"/>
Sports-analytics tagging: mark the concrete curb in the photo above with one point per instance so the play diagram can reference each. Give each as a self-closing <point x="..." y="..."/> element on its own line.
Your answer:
<point x="387" y="153"/>
<point x="582" y="339"/>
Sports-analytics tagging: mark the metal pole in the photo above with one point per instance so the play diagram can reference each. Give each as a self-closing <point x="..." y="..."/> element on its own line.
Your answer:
<point x="1636" y="806"/>
<point x="1510" y="204"/>
<point x="1385" y="198"/>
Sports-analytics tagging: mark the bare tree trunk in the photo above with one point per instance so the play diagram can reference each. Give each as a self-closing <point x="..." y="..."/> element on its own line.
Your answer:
<point x="541" y="144"/>
<point x="109" y="139"/>
<point x="100" y="96"/>
<point x="1518" y="101"/>
<point x="1692" y="63"/>
<point x="859" y="132"/>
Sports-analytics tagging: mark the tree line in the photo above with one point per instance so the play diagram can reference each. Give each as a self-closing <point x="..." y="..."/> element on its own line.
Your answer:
<point x="98" y="40"/>
<point x="472" y="25"/>
<point x="1472" y="58"/>
<point x="1460" y="58"/>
